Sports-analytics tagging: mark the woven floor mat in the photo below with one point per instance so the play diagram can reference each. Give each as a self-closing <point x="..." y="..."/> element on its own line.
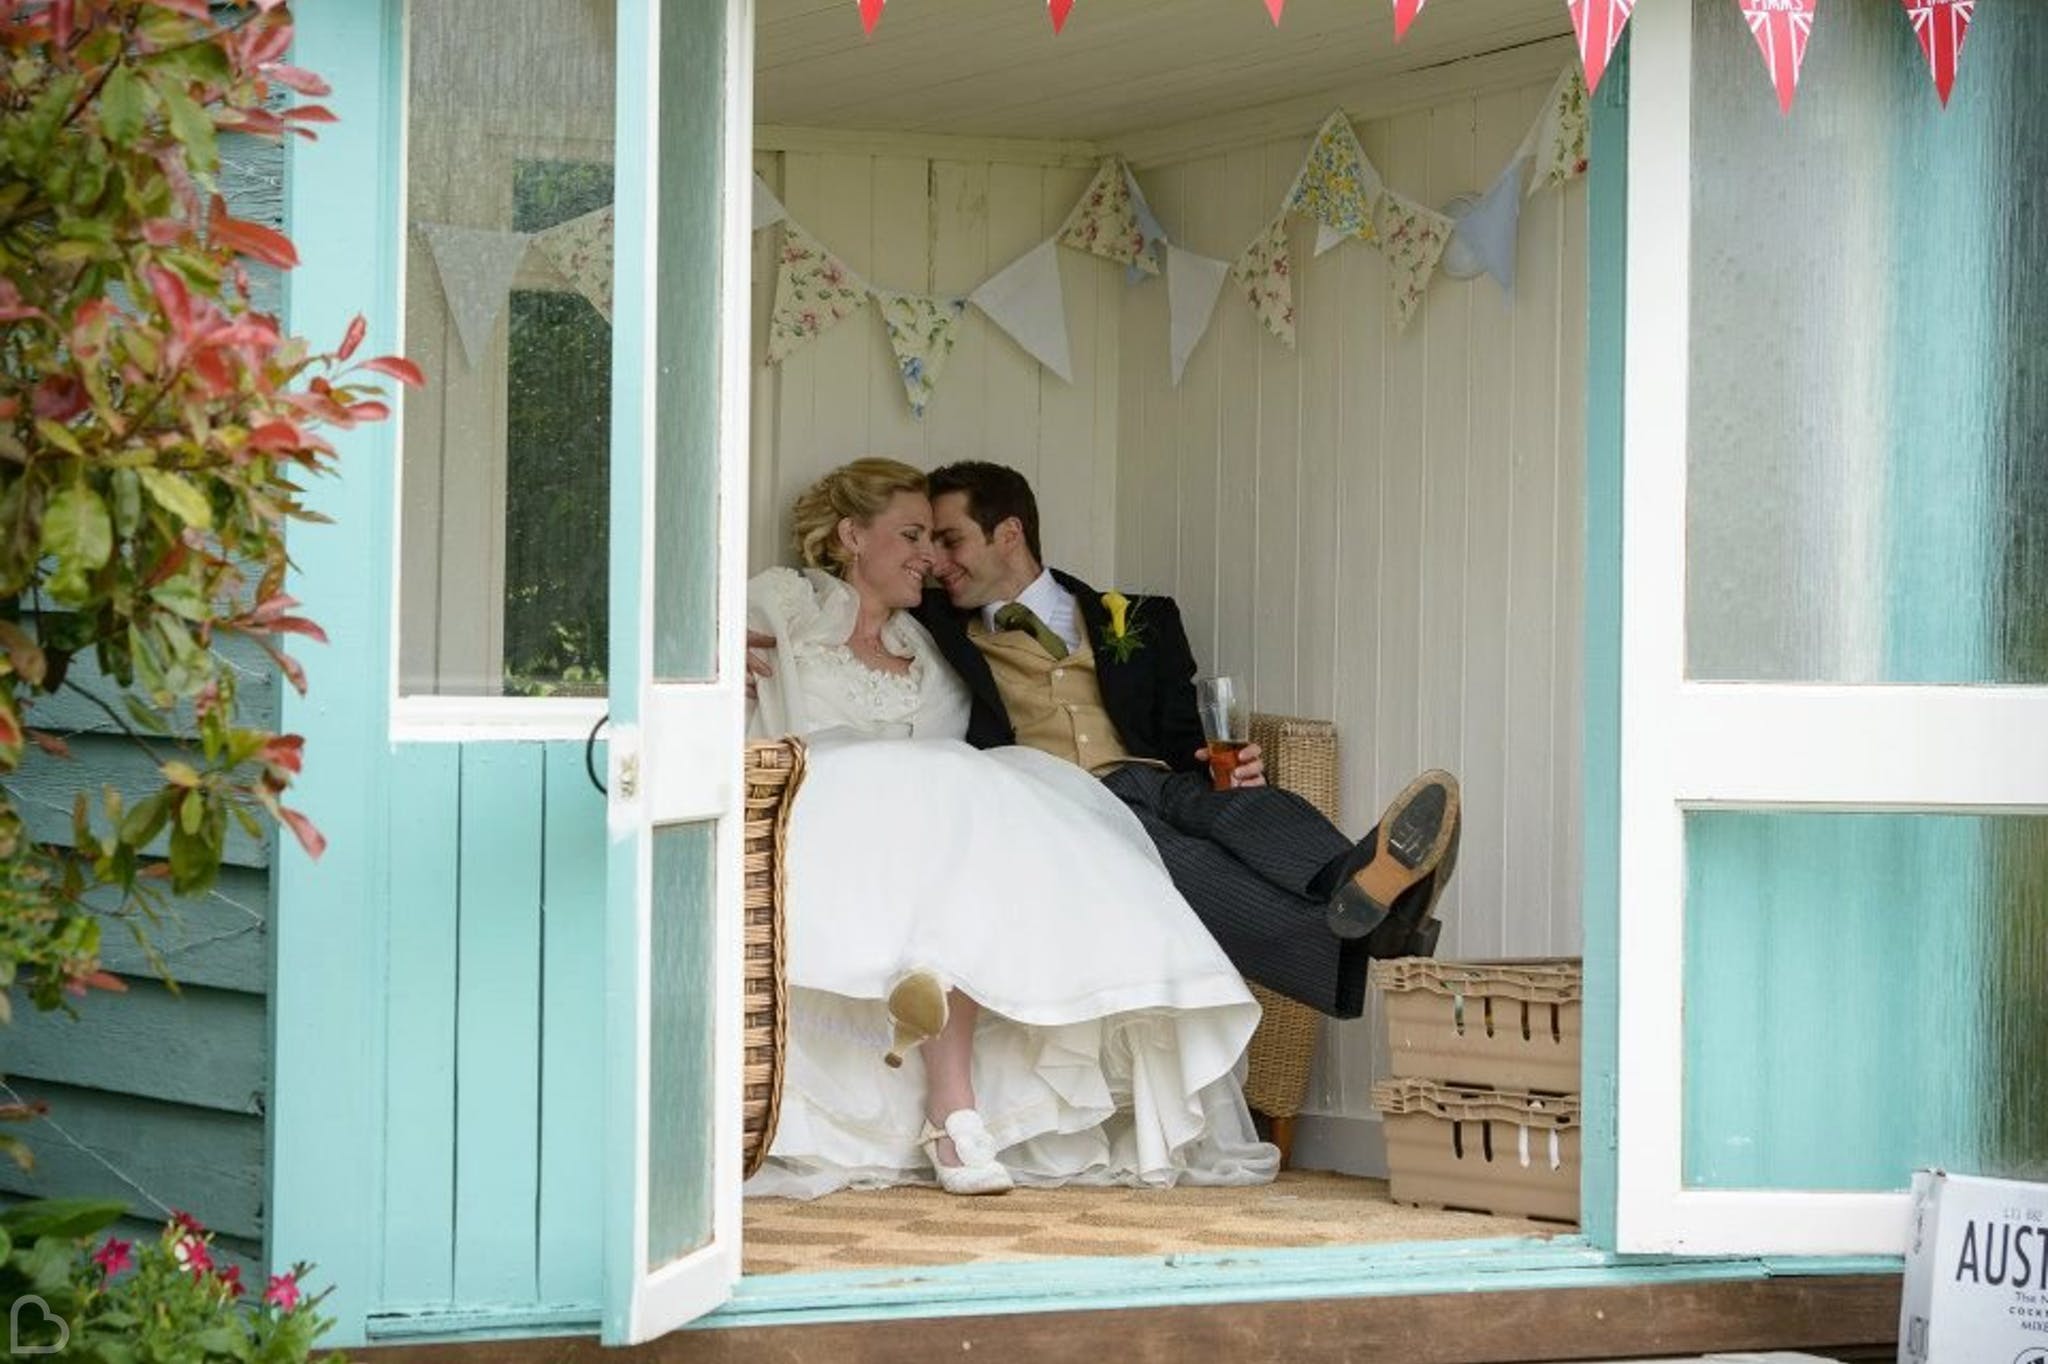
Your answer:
<point x="922" y="1226"/>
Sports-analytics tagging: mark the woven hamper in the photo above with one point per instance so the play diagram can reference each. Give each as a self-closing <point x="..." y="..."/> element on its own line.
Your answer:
<point x="1301" y="756"/>
<point x="774" y="770"/>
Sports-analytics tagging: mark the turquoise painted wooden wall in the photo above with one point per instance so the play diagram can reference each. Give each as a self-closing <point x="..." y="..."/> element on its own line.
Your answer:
<point x="159" y="1097"/>
<point x="494" y="1030"/>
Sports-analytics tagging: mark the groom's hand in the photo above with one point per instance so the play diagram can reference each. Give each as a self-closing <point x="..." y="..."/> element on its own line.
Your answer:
<point x="758" y="644"/>
<point x="1251" y="765"/>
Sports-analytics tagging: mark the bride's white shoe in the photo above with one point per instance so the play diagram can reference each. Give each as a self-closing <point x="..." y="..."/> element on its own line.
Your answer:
<point x="979" y="1172"/>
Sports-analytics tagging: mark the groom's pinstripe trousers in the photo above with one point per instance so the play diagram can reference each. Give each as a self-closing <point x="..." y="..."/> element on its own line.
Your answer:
<point x="1253" y="863"/>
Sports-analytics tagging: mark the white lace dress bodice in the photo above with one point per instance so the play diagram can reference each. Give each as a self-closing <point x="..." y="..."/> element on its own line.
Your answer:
<point x="1111" y="1021"/>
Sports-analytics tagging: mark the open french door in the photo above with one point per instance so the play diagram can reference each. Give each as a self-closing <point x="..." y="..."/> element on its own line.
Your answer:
<point x="1834" y="737"/>
<point x="678" y="563"/>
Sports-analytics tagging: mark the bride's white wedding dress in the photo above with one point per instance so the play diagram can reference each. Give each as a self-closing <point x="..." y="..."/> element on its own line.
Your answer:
<point x="1111" y="1022"/>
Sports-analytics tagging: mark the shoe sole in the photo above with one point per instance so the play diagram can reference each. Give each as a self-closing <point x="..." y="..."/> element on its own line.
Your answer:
<point x="917" y="1009"/>
<point x="1418" y="826"/>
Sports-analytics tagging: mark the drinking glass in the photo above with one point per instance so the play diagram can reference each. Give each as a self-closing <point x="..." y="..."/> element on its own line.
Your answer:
<point x="1224" y="725"/>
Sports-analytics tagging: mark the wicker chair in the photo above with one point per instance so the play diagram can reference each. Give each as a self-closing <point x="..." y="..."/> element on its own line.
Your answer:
<point x="1301" y="755"/>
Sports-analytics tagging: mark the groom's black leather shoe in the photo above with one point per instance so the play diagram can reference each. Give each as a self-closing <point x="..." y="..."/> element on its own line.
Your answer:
<point x="1390" y="884"/>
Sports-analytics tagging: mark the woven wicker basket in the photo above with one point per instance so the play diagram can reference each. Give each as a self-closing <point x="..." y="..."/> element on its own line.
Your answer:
<point x="774" y="770"/>
<point x="1301" y="756"/>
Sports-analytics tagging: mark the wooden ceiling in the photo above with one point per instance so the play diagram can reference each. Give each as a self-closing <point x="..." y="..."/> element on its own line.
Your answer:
<point x="994" y="67"/>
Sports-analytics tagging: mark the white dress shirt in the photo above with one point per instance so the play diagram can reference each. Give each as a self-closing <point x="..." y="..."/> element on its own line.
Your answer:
<point x="1048" y="601"/>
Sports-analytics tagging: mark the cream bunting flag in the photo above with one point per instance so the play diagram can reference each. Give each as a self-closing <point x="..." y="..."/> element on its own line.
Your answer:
<point x="1412" y="238"/>
<point x="1559" y="137"/>
<point x="768" y="209"/>
<point x="1104" y="221"/>
<point x="814" y="291"/>
<point x="1266" y="273"/>
<point x="1336" y="185"/>
<point x="476" y="266"/>
<point x="582" y="250"/>
<point x="921" y="332"/>
<point x="1193" y="283"/>
<point x="1025" y="300"/>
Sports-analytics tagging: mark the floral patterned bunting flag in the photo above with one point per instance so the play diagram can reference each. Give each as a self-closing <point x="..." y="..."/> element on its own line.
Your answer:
<point x="1104" y="221"/>
<point x="1559" y="137"/>
<point x="1412" y="238"/>
<point x="1336" y="185"/>
<point x="1059" y="9"/>
<point x="921" y="332"/>
<point x="1598" y="23"/>
<point x="1149" y="232"/>
<point x="1404" y="15"/>
<point x="1265" y="272"/>
<point x="1941" y="26"/>
<point x="1781" y="29"/>
<point x="582" y="250"/>
<point x="813" y="292"/>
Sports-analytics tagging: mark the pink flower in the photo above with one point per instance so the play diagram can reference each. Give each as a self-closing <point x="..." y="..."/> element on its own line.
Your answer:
<point x="283" y="1292"/>
<point x="113" y="1257"/>
<point x="191" y="1253"/>
<point x="188" y="1222"/>
<point x="231" y="1279"/>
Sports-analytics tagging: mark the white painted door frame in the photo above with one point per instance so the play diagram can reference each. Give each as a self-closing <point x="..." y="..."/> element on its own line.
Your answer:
<point x="1692" y="745"/>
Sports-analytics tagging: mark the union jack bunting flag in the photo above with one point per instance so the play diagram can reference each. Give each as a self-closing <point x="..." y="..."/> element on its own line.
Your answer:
<point x="1404" y="15"/>
<point x="1940" y="25"/>
<point x="1599" y="24"/>
<point x="1781" y="29"/>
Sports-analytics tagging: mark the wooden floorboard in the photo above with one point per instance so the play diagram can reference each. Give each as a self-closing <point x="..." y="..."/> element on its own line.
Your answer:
<point x="1837" y="1315"/>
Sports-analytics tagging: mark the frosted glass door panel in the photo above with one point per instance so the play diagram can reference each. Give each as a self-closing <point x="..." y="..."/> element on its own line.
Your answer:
<point x="1869" y="356"/>
<point x="1864" y="994"/>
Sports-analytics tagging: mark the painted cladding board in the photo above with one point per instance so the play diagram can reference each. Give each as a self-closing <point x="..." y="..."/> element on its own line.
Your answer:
<point x="207" y="1162"/>
<point x="1383" y="527"/>
<point x="168" y="1090"/>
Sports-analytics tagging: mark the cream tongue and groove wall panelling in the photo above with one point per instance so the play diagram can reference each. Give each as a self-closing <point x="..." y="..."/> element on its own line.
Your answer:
<point x="1385" y="527"/>
<point x="938" y="224"/>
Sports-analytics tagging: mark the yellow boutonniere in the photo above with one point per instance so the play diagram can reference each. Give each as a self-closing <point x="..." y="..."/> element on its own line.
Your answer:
<point x="1120" y="639"/>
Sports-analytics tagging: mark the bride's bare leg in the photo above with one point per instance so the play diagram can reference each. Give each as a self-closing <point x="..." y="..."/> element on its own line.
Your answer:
<point x="949" y="1068"/>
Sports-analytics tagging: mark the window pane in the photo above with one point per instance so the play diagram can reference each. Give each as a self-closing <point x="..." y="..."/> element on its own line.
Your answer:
<point x="503" y="550"/>
<point x="1870" y="274"/>
<point x="681" y="1062"/>
<point x="1864" y="994"/>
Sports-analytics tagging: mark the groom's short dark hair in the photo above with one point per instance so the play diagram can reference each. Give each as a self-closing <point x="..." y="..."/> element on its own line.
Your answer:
<point x="995" y="493"/>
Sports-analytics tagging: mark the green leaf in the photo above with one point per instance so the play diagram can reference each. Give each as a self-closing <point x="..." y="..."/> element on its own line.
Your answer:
<point x="77" y="529"/>
<point x="59" y="435"/>
<point x="121" y="106"/>
<point x="182" y="595"/>
<point x="189" y="123"/>
<point x="69" y="1218"/>
<point x="127" y="501"/>
<point x="223" y="1340"/>
<point x="176" y="495"/>
<point x="147" y="820"/>
<point x="192" y="812"/>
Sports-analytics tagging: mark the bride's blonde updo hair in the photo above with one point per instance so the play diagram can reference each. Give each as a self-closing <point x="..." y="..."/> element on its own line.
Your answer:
<point x="859" y="490"/>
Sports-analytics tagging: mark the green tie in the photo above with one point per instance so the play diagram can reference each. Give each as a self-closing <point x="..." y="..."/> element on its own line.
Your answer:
<point x="1018" y="616"/>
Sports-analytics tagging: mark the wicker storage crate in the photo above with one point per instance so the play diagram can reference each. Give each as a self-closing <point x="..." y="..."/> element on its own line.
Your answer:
<point x="1494" y="1151"/>
<point x="1499" y="1024"/>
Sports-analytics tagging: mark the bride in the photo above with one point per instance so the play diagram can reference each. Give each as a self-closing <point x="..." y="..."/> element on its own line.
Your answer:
<point x="998" y="911"/>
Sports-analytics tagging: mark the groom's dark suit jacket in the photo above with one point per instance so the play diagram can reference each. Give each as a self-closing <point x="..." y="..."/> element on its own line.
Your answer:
<point x="1150" y="696"/>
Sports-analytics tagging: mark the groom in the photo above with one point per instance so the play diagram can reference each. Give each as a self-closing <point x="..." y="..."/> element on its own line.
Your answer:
<point x="1297" y="906"/>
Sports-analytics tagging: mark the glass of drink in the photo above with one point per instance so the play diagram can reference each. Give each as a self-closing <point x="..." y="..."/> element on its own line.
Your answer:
<point x="1224" y="725"/>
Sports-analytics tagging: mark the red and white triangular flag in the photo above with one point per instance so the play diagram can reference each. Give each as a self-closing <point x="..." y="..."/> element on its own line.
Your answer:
<point x="870" y="15"/>
<point x="1941" y="25"/>
<point x="1781" y="29"/>
<point x="1059" y="9"/>
<point x="1273" y="7"/>
<point x="1404" y="15"/>
<point x="1599" y="24"/>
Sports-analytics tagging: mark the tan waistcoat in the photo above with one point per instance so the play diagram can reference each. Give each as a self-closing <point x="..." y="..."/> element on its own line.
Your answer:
<point x="1055" y="705"/>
